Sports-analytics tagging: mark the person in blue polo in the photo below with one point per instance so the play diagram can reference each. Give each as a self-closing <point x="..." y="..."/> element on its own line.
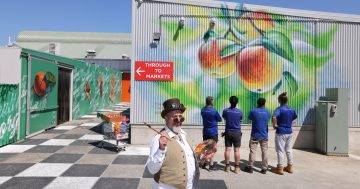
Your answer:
<point x="210" y="119"/>
<point x="282" y="121"/>
<point x="233" y="117"/>
<point x="260" y="117"/>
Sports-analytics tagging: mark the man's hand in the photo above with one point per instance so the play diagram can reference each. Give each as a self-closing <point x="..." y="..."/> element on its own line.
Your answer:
<point x="274" y="121"/>
<point x="162" y="142"/>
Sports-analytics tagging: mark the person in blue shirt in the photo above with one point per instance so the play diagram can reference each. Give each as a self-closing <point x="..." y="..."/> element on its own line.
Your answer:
<point x="260" y="118"/>
<point x="233" y="117"/>
<point x="210" y="119"/>
<point x="282" y="121"/>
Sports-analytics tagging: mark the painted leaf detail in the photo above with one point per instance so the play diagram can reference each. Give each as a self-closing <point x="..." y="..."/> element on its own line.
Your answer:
<point x="50" y="77"/>
<point x="226" y="14"/>
<point x="278" y="43"/>
<point x="209" y="34"/>
<point x="231" y="49"/>
<point x="277" y="87"/>
<point x="291" y="83"/>
<point x="225" y="10"/>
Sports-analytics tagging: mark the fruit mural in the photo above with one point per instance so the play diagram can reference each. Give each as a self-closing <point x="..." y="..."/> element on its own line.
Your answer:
<point x="235" y="51"/>
<point x="43" y="83"/>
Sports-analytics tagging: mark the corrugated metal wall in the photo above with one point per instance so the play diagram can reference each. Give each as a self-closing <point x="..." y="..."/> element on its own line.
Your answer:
<point x="343" y="71"/>
<point x="336" y="67"/>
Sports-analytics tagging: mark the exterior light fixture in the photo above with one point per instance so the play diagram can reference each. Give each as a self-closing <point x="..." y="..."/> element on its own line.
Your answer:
<point x="212" y="21"/>
<point x="182" y="22"/>
<point x="156" y="36"/>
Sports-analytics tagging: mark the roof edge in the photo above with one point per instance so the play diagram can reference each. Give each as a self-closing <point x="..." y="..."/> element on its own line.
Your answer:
<point x="286" y="11"/>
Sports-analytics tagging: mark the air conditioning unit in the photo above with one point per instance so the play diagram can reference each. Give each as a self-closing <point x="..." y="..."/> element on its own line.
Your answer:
<point x="90" y="53"/>
<point x="54" y="48"/>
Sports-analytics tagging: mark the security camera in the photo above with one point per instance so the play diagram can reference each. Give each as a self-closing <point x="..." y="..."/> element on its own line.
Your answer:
<point x="333" y="108"/>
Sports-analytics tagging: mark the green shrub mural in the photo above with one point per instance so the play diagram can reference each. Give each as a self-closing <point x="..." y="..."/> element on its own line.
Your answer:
<point x="9" y="116"/>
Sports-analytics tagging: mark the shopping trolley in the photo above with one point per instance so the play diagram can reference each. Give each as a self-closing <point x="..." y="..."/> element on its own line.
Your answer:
<point x="115" y="128"/>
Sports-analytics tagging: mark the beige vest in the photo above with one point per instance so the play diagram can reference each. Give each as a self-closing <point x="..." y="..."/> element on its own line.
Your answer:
<point x="173" y="171"/>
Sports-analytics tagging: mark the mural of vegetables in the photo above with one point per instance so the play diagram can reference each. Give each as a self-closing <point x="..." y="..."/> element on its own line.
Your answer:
<point x="43" y="83"/>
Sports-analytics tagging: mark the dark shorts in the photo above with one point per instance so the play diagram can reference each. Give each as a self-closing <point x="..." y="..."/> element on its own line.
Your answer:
<point x="215" y="137"/>
<point x="233" y="138"/>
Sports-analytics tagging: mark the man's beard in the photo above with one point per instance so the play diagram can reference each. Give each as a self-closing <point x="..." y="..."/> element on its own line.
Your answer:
<point x="176" y="129"/>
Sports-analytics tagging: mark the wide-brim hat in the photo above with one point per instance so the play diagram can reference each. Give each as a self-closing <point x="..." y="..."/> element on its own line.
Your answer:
<point x="172" y="105"/>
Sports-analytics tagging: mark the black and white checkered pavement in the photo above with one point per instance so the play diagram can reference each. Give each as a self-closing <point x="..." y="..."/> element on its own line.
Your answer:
<point x="70" y="156"/>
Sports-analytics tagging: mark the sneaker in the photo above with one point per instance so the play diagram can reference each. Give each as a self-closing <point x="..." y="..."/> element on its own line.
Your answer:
<point x="212" y="168"/>
<point x="248" y="169"/>
<point x="263" y="171"/>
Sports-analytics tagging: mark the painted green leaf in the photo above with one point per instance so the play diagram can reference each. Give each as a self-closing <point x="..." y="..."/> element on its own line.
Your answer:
<point x="291" y="83"/>
<point x="322" y="40"/>
<point x="277" y="18"/>
<point x="231" y="49"/>
<point x="219" y="15"/>
<point x="278" y="43"/>
<point x="50" y="77"/>
<point x="277" y="87"/>
<point x="313" y="61"/>
<point x="209" y="34"/>
<point x="225" y="10"/>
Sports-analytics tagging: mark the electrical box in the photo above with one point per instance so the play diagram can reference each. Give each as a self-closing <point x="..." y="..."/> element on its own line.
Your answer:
<point x="332" y="123"/>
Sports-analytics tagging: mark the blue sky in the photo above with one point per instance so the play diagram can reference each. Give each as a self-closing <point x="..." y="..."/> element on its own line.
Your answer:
<point x="114" y="15"/>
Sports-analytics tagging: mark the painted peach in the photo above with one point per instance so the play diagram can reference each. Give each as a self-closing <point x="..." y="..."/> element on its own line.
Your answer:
<point x="248" y="20"/>
<point x="40" y="84"/>
<point x="212" y="63"/>
<point x="259" y="69"/>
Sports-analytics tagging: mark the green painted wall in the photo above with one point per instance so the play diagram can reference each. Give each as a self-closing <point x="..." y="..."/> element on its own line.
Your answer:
<point x="82" y="73"/>
<point x="9" y="116"/>
<point x="89" y="73"/>
<point x="44" y="103"/>
<point x="43" y="112"/>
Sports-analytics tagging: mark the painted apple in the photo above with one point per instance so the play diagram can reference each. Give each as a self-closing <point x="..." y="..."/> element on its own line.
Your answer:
<point x="212" y="63"/>
<point x="40" y="84"/>
<point x="248" y="21"/>
<point x="259" y="69"/>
